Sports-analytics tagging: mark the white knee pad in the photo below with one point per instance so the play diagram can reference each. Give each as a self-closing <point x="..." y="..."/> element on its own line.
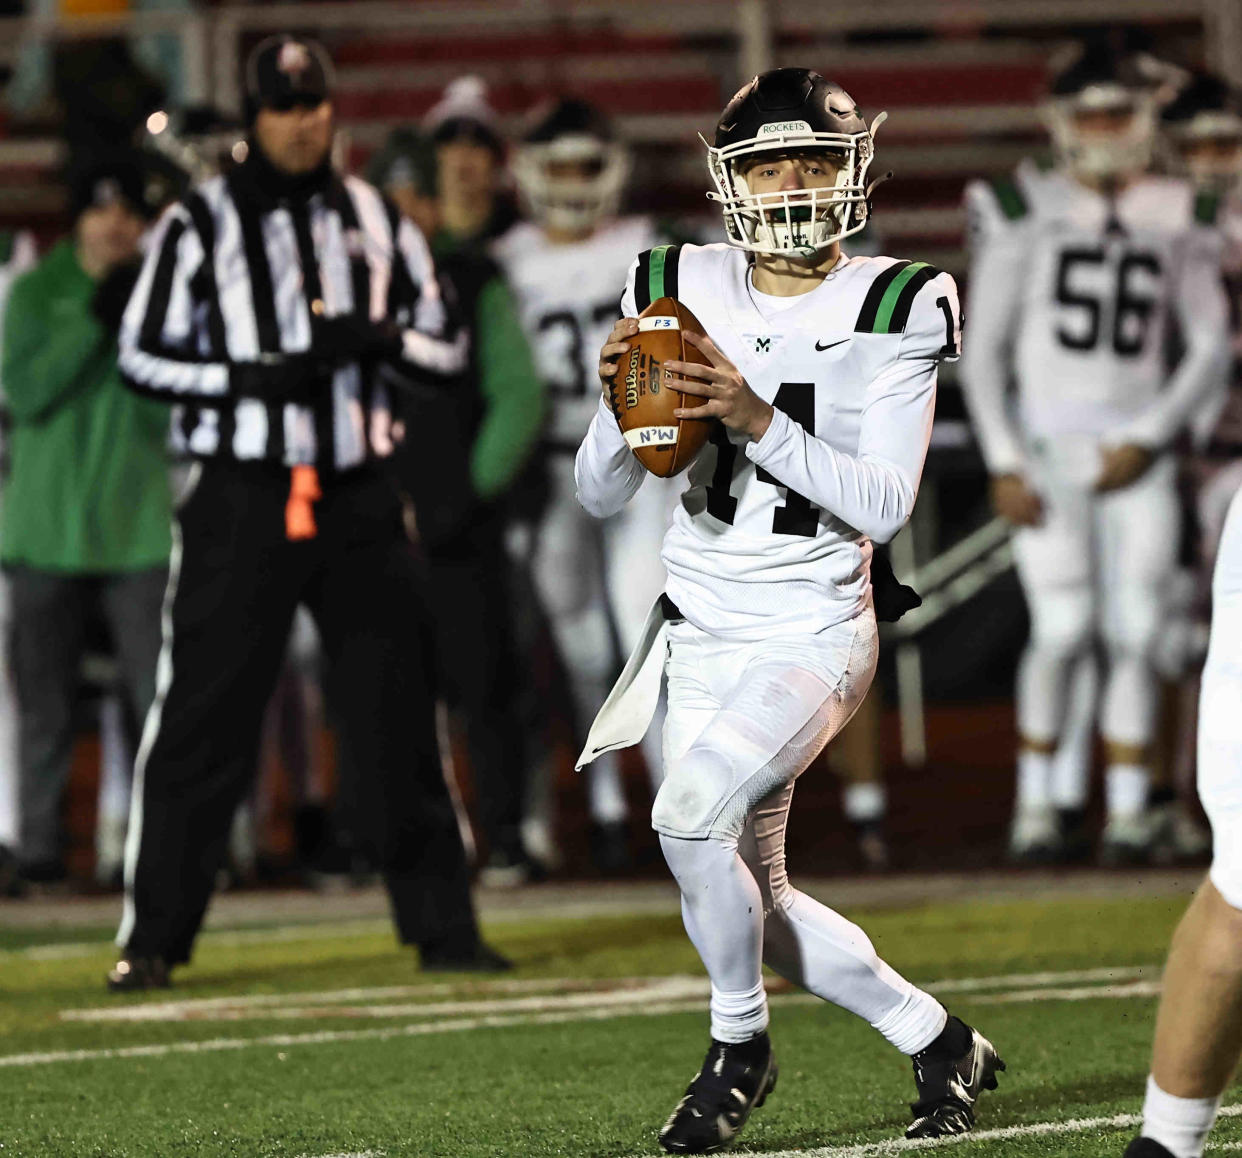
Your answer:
<point x="694" y="794"/>
<point x="712" y="789"/>
<point x="1062" y="621"/>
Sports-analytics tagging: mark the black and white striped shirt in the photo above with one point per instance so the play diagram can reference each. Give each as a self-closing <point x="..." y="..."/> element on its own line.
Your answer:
<point x="229" y="280"/>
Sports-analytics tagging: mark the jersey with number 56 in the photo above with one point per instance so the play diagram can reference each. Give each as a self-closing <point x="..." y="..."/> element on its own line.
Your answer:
<point x="1073" y="296"/>
<point x="772" y="536"/>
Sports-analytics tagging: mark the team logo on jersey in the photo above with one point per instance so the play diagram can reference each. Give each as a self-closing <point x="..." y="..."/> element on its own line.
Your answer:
<point x="355" y="243"/>
<point x="763" y="344"/>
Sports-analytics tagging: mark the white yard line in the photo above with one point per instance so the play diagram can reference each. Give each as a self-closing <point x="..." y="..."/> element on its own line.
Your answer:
<point x="625" y="994"/>
<point x="1109" y="973"/>
<point x="1000" y="1134"/>
<point x="261" y="1003"/>
<point x="356" y="1154"/>
<point x="180" y="1010"/>
<point x="419" y="1029"/>
<point x="1077" y="993"/>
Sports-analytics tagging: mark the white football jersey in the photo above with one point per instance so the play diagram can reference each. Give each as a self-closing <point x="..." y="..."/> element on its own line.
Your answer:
<point x="568" y="301"/>
<point x="772" y="537"/>
<point x="1072" y="297"/>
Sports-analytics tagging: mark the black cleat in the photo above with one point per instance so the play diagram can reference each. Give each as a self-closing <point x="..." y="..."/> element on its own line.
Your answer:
<point x="950" y="1086"/>
<point x="131" y="974"/>
<point x="476" y="958"/>
<point x="734" y="1080"/>
<point x="1147" y="1148"/>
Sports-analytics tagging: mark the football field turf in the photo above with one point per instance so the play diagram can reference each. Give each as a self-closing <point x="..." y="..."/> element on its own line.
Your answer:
<point x="306" y="1032"/>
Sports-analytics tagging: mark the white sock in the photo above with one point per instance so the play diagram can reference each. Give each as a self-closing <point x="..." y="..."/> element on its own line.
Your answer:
<point x="1180" y="1125"/>
<point x="1125" y="790"/>
<point x="1034" y="780"/>
<point x="813" y="946"/>
<point x="739" y="1016"/>
<point x="863" y="802"/>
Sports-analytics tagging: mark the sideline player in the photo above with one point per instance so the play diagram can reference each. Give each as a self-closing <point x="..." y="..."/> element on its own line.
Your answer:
<point x="564" y="266"/>
<point x="1199" y="1026"/>
<point x="823" y="378"/>
<point x="1077" y="276"/>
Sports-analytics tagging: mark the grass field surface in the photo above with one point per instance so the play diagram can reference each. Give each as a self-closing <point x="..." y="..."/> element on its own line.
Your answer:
<point x="314" y="1035"/>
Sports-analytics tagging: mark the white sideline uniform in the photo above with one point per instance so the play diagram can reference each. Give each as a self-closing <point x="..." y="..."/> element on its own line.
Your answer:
<point x="22" y="257"/>
<point x="768" y="556"/>
<point x="1220" y="736"/>
<point x="592" y="578"/>
<point x="1073" y="298"/>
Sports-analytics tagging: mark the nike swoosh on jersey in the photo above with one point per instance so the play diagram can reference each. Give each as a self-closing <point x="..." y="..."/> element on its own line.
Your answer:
<point x="821" y="349"/>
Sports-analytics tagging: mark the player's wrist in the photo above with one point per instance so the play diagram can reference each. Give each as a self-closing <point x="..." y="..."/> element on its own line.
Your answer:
<point x="761" y="421"/>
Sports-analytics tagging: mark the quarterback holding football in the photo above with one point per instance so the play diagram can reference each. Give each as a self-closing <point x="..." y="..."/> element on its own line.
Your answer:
<point x="817" y="377"/>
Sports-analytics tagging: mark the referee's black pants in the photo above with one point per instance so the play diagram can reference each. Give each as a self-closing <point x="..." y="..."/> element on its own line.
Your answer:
<point x="479" y="671"/>
<point x="235" y="583"/>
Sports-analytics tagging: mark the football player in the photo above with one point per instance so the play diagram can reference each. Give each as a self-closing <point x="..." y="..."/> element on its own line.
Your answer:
<point x="820" y="391"/>
<point x="596" y="581"/>
<point x="1199" y="1026"/>
<point x="1078" y="274"/>
<point x="1202" y="135"/>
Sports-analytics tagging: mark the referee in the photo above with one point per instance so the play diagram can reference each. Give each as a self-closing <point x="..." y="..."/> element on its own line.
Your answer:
<point x="283" y="308"/>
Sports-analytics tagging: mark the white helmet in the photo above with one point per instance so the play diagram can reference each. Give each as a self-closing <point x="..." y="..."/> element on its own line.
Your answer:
<point x="1205" y="113"/>
<point x="1101" y="82"/>
<point x="782" y="111"/>
<point x="571" y="132"/>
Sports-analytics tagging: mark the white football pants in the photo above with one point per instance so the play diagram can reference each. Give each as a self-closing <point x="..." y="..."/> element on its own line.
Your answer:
<point x="744" y="721"/>
<point x="591" y="575"/>
<point x="1097" y="568"/>
<point x="1220" y="714"/>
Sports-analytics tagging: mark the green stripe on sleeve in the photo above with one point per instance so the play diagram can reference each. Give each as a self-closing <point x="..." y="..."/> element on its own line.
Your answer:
<point x="888" y="303"/>
<point x="655" y="284"/>
<point x="1207" y="206"/>
<point x="1010" y="198"/>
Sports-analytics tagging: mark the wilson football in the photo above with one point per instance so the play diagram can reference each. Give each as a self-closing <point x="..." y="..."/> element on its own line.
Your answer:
<point x="665" y="445"/>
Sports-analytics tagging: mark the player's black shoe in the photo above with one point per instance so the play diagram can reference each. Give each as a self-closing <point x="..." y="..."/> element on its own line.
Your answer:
<point x="1147" y="1148"/>
<point x="135" y="973"/>
<point x="950" y="1082"/>
<point x="471" y="957"/>
<point x="734" y="1080"/>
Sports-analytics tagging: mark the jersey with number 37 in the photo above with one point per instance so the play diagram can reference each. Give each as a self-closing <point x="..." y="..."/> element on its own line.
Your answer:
<point x="1073" y="296"/>
<point x="772" y="537"/>
<point x="567" y="299"/>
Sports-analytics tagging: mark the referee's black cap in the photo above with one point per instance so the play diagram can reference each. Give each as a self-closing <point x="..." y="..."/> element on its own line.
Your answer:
<point x="283" y="72"/>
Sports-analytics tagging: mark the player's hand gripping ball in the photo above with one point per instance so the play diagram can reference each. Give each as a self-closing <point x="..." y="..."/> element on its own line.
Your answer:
<point x="632" y="369"/>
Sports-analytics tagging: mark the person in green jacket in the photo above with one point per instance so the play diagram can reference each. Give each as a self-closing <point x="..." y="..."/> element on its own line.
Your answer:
<point x="87" y="508"/>
<point x="459" y="483"/>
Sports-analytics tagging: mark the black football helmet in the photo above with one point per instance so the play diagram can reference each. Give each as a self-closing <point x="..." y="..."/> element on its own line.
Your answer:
<point x="1099" y="79"/>
<point x="575" y="132"/>
<point x="784" y="110"/>
<point x="1202" y="131"/>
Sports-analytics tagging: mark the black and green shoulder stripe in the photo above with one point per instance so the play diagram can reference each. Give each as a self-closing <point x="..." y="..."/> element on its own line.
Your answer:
<point x="1009" y="197"/>
<point x="886" y="308"/>
<point x="1207" y="206"/>
<point x="656" y="276"/>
